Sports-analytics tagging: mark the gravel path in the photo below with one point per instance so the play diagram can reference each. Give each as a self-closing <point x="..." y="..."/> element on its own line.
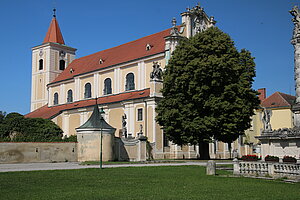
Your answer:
<point x="74" y="165"/>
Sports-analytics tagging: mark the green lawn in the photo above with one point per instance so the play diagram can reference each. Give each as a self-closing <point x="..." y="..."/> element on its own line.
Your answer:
<point x="169" y="182"/>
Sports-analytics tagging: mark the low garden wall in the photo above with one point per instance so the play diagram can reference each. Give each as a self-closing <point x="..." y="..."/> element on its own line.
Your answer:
<point x="26" y="152"/>
<point x="272" y="169"/>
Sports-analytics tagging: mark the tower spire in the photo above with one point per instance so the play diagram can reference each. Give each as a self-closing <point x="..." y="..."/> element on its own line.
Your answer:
<point x="54" y="34"/>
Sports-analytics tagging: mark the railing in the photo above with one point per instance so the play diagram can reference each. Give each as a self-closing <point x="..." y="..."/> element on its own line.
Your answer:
<point x="266" y="168"/>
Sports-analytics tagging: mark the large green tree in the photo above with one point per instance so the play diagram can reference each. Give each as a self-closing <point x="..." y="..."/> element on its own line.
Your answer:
<point x="207" y="91"/>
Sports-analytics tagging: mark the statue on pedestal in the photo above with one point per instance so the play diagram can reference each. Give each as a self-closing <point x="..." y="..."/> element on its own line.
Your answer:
<point x="295" y="12"/>
<point x="156" y="74"/>
<point x="124" y="128"/>
<point x="266" y="117"/>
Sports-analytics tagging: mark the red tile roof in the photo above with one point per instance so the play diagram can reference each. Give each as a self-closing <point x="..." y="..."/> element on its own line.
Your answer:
<point x="54" y="34"/>
<point x="278" y="99"/>
<point x="50" y="112"/>
<point x="116" y="55"/>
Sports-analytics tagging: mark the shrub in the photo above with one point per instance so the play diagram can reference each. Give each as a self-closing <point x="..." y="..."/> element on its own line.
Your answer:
<point x="272" y="158"/>
<point x="250" y="157"/>
<point x="289" y="159"/>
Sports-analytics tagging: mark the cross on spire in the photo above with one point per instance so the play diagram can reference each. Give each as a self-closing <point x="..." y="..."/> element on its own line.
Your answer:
<point x="54" y="14"/>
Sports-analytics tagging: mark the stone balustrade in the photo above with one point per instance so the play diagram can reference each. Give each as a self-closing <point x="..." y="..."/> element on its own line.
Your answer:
<point x="267" y="168"/>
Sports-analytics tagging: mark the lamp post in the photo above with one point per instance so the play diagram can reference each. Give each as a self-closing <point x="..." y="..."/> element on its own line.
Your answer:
<point x="101" y="135"/>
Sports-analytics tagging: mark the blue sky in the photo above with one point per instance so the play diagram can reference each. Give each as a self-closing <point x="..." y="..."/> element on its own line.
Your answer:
<point x="262" y="26"/>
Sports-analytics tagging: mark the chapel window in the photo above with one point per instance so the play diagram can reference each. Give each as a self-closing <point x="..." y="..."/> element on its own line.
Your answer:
<point x="55" y="98"/>
<point x="129" y="82"/>
<point x="70" y="96"/>
<point x="107" y="86"/>
<point x="87" y="91"/>
<point x="62" y="65"/>
<point x="41" y="64"/>
<point x="140" y="114"/>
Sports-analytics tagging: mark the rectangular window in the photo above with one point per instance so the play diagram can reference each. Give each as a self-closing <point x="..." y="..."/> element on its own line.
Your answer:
<point x="140" y="114"/>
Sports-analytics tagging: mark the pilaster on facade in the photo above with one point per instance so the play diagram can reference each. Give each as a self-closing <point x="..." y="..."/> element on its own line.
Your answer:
<point x="62" y="94"/>
<point x="116" y="81"/>
<point x="130" y="114"/>
<point x="77" y="89"/>
<point x="65" y="124"/>
<point x="50" y="99"/>
<point x="96" y="85"/>
<point x="139" y="77"/>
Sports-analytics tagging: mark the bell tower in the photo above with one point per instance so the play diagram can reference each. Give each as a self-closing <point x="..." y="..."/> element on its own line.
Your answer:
<point x="48" y="60"/>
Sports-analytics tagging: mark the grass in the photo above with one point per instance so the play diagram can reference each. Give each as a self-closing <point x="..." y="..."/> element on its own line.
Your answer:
<point x="167" y="182"/>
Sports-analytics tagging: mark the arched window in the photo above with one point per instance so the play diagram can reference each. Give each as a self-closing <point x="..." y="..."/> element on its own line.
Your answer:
<point x="87" y="91"/>
<point x="107" y="86"/>
<point x="41" y="64"/>
<point x="129" y="82"/>
<point x="70" y="96"/>
<point x="62" y="65"/>
<point x="55" y="98"/>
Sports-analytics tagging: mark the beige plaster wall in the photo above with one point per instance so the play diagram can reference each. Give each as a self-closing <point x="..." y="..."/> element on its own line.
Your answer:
<point x="74" y="122"/>
<point x="281" y="118"/>
<point x="69" y="86"/>
<point x="83" y="81"/>
<point x="59" y="121"/>
<point x="103" y="76"/>
<point x="124" y="71"/>
<point x="115" y="119"/>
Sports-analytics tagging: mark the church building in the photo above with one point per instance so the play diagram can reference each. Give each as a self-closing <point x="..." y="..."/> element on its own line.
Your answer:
<point x="124" y="80"/>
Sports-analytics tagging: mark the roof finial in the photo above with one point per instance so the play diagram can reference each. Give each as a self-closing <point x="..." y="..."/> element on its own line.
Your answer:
<point x="173" y="22"/>
<point x="54" y="10"/>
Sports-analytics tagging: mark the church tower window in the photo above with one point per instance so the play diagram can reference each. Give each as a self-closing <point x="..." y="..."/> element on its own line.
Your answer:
<point x="87" y="91"/>
<point x="62" y="65"/>
<point x="41" y="64"/>
<point x="55" y="98"/>
<point x="129" y="82"/>
<point x="70" y="96"/>
<point x="107" y="86"/>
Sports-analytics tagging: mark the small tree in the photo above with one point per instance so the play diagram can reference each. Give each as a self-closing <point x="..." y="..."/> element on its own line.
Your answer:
<point x="207" y="91"/>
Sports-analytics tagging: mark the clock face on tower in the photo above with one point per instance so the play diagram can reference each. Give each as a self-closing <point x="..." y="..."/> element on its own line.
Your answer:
<point x="41" y="53"/>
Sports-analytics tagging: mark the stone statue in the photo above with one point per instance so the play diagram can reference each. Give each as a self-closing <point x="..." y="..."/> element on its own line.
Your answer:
<point x="124" y="128"/>
<point x="174" y="30"/>
<point x="140" y="133"/>
<point x="266" y="117"/>
<point x="157" y="72"/>
<point x="295" y="12"/>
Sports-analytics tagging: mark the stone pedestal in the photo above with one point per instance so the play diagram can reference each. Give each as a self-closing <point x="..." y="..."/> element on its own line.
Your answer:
<point x="211" y="168"/>
<point x="156" y="86"/>
<point x="296" y="115"/>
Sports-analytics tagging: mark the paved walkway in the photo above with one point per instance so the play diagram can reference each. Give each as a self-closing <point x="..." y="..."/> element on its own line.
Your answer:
<point x="73" y="165"/>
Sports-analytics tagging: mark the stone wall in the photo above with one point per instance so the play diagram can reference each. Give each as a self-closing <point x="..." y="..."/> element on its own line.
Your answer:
<point x="27" y="152"/>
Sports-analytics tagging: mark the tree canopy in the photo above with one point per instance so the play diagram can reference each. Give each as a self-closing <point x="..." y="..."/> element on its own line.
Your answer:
<point x="15" y="127"/>
<point x="207" y="91"/>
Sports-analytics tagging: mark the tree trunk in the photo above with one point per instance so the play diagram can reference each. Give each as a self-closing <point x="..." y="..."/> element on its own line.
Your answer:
<point x="204" y="150"/>
<point x="229" y="148"/>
